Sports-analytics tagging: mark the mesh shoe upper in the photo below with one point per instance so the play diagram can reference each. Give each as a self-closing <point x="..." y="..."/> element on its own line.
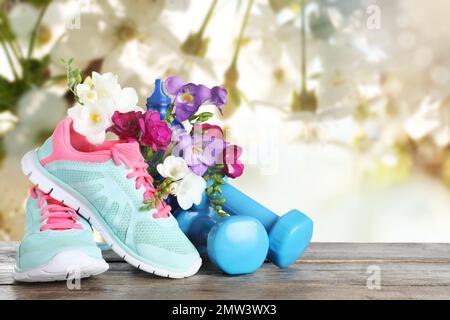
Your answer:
<point x="116" y="193"/>
<point x="41" y="244"/>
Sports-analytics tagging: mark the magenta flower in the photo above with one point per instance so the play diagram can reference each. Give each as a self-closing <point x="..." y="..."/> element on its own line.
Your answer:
<point x="155" y="133"/>
<point x="233" y="166"/>
<point x="208" y="130"/>
<point x="126" y="125"/>
<point x="189" y="97"/>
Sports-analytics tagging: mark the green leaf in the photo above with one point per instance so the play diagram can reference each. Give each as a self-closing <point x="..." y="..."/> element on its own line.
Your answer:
<point x="204" y="116"/>
<point x="10" y="92"/>
<point x="193" y="118"/>
<point x="223" y="214"/>
<point x="219" y="200"/>
<point x="37" y="70"/>
<point x="73" y="79"/>
<point x="201" y="117"/>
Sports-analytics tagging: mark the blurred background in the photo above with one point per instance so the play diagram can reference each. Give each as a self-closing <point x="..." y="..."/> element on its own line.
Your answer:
<point x="342" y="106"/>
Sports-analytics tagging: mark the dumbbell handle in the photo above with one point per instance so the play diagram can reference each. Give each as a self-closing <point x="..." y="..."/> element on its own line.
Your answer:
<point x="238" y="203"/>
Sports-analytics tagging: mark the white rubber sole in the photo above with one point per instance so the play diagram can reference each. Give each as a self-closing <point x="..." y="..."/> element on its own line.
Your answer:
<point x="71" y="263"/>
<point x="59" y="193"/>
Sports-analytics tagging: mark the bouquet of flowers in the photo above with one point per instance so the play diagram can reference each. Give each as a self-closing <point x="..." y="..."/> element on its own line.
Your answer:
<point x="185" y="163"/>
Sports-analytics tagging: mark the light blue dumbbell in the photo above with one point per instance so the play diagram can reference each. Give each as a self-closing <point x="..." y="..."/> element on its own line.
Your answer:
<point x="289" y="234"/>
<point x="235" y="244"/>
<point x="196" y="223"/>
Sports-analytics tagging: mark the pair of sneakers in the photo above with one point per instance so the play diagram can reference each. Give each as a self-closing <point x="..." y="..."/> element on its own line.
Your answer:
<point x="78" y="185"/>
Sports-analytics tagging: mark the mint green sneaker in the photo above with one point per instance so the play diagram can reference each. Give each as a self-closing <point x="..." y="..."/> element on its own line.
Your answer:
<point x="57" y="243"/>
<point x="108" y="185"/>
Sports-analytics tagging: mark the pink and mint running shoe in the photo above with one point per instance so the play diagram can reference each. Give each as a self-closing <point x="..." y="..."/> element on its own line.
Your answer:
<point x="57" y="243"/>
<point x="108" y="185"/>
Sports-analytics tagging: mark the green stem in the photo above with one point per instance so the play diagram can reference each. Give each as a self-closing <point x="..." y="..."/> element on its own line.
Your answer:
<point x="163" y="187"/>
<point x="207" y="18"/>
<point x="8" y="41"/>
<point x="241" y="33"/>
<point x="9" y="58"/>
<point x="11" y="40"/>
<point x="303" y="48"/>
<point x="36" y="29"/>
<point x="16" y="50"/>
<point x="169" y="116"/>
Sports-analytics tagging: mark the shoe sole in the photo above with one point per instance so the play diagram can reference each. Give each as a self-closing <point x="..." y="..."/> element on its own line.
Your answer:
<point x="69" y="264"/>
<point x="59" y="193"/>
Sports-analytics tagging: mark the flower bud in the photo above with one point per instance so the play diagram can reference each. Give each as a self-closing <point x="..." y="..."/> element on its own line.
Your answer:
<point x="305" y="101"/>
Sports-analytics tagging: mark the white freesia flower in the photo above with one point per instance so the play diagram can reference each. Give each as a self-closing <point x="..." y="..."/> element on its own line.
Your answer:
<point x="100" y="96"/>
<point x="92" y="120"/>
<point x="173" y="188"/>
<point x="106" y="86"/>
<point x="189" y="190"/>
<point x="173" y="167"/>
<point x="126" y="100"/>
<point x="86" y="93"/>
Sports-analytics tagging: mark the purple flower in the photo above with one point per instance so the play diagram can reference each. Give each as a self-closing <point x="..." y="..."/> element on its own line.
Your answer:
<point x="199" y="151"/>
<point x="189" y="97"/>
<point x="178" y="132"/>
<point x="218" y="97"/>
<point x="155" y="133"/>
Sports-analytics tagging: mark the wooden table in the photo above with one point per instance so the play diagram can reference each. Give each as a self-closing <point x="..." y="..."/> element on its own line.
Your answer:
<point x="327" y="271"/>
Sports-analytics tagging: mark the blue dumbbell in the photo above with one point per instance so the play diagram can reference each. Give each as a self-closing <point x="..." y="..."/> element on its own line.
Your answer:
<point x="289" y="235"/>
<point x="196" y="223"/>
<point x="235" y="244"/>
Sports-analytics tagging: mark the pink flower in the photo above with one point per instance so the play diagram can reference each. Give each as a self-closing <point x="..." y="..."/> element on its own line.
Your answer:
<point x="126" y="125"/>
<point x="233" y="166"/>
<point x="155" y="133"/>
<point x="208" y="130"/>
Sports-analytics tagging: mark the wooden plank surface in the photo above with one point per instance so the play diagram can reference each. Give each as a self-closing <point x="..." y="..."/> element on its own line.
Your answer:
<point x="327" y="271"/>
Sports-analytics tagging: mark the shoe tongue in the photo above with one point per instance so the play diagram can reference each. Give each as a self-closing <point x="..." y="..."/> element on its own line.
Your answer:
<point x="130" y="150"/>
